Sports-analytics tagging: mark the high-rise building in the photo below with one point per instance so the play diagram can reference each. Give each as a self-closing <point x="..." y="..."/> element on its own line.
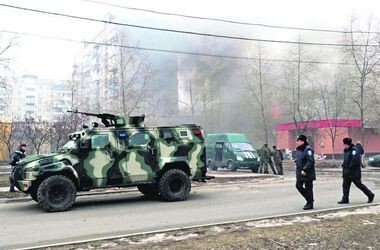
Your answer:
<point x="42" y="99"/>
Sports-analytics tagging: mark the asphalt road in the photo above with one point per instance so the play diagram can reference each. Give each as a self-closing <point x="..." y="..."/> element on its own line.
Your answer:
<point x="26" y="225"/>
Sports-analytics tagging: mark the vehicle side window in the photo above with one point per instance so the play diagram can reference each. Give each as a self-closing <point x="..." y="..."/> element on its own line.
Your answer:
<point x="166" y="134"/>
<point x="99" y="141"/>
<point x="183" y="134"/>
<point x="139" y="139"/>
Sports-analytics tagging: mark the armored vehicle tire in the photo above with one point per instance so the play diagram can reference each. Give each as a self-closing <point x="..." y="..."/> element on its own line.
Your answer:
<point x="174" y="185"/>
<point x="231" y="166"/>
<point x="149" y="190"/>
<point x="56" y="193"/>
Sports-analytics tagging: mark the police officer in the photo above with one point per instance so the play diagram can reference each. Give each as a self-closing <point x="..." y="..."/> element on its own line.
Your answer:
<point x="15" y="158"/>
<point x="305" y="172"/>
<point x="278" y="158"/>
<point x="265" y="155"/>
<point x="352" y="171"/>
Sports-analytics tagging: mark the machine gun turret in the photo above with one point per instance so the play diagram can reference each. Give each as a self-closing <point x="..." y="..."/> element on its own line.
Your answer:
<point x="110" y="120"/>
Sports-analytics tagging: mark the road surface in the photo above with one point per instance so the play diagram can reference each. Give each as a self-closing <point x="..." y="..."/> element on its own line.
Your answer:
<point x="26" y="225"/>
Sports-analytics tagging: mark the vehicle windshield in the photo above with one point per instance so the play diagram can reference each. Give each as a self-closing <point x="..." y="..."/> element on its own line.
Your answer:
<point x="242" y="146"/>
<point x="73" y="139"/>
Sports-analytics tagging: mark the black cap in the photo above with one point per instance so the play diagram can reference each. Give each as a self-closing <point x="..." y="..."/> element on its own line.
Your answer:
<point x="347" y="141"/>
<point x="274" y="147"/>
<point x="301" y="138"/>
<point x="22" y="145"/>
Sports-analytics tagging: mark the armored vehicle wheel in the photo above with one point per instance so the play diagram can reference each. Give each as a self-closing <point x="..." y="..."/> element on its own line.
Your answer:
<point x="56" y="193"/>
<point x="231" y="166"/>
<point x="149" y="190"/>
<point x="174" y="185"/>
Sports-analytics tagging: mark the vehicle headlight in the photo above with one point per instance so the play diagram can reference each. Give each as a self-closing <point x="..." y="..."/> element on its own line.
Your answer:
<point x="239" y="158"/>
<point x="370" y="159"/>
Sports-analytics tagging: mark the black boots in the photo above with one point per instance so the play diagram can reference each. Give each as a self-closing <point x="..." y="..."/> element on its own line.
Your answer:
<point x="308" y="206"/>
<point x="343" y="202"/>
<point x="370" y="197"/>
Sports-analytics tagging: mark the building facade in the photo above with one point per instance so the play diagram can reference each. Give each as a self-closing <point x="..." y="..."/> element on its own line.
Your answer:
<point x="320" y="135"/>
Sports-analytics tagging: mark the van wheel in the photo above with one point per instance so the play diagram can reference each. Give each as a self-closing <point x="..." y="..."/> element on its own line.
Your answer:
<point x="149" y="190"/>
<point x="56" y="193"/>
<point x="174" y="185"/>
<point x="231" y="166"/>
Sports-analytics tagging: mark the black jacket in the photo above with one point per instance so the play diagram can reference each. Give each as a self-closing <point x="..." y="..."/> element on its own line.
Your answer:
<point x="360" y="148"/>
<point x="17" y="156"/>
<point x="351" y="163"/>
<point x="305" y="162"/>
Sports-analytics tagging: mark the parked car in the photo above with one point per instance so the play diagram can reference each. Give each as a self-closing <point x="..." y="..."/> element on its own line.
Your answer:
<point x="374" y="161"/>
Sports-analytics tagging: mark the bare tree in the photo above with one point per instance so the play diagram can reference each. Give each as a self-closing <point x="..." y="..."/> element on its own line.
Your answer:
<point x="6" y="44"/>
<point x="364" y="52"/>
<point x="8" y="131"/>
<point x="299" y="88"/>
<point x="37" y="133"/>
<point x="258" y="80"/>
<point x="333" y="98"/>
<point x="132" y="75"/>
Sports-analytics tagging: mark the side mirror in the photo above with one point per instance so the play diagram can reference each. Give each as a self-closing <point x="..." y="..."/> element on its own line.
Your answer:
<point x="85" y="144"/>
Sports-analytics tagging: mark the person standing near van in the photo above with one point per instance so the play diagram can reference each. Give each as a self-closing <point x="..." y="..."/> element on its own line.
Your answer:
<point x="305" y="172"/>
<point x="278" y="158"/>
<point x="352" y="172"/>
<point x="265" y="155"/>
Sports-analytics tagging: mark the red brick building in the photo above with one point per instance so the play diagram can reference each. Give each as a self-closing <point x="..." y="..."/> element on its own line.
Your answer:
<point x="319" y="136"/>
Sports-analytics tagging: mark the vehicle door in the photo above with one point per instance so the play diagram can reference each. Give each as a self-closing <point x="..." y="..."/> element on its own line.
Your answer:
<point x="219" y="147"/>
<point x="141" y="162"/>
<point x="99" y="159"/>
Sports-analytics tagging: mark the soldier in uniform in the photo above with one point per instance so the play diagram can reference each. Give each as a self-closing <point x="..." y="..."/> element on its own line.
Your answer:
<point x="352" y="171"/>
<point x="15" y="158"/>
<point x="305" y="172"/>
<point x="278" y="158"/>
<point x="265" y="155"/>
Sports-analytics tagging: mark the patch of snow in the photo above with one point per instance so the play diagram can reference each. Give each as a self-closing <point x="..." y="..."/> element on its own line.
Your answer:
<point x="366" y="222"/>
<point x="340" y="214"/>
<point x="157" y="238"/>
<point x="108" y="245"/>
<point x="217" y="229"/>
<point x="281" y="222"/>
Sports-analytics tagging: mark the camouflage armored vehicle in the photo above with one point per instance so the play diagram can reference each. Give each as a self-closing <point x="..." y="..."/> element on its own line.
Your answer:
<point x="160" y="161"/>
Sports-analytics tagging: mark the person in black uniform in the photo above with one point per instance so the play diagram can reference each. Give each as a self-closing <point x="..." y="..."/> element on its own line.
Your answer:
<point x="305" y="172"/>
<point x="15" y="158"/>
<point x="351" y="169"/>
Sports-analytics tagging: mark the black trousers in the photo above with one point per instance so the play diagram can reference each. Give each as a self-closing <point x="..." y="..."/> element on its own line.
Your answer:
<point x="358" y="183"/>
<point x="307" y="191"/>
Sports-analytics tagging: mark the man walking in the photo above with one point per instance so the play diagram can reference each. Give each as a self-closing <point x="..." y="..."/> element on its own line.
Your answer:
<point x="352" y="172"/>
<point x="278" y="158"/>
<point x="305" y="172"/>
<point x="15" y="158"/>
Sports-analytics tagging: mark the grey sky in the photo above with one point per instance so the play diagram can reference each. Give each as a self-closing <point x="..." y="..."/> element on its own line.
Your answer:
<point x="53" y="59"/>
